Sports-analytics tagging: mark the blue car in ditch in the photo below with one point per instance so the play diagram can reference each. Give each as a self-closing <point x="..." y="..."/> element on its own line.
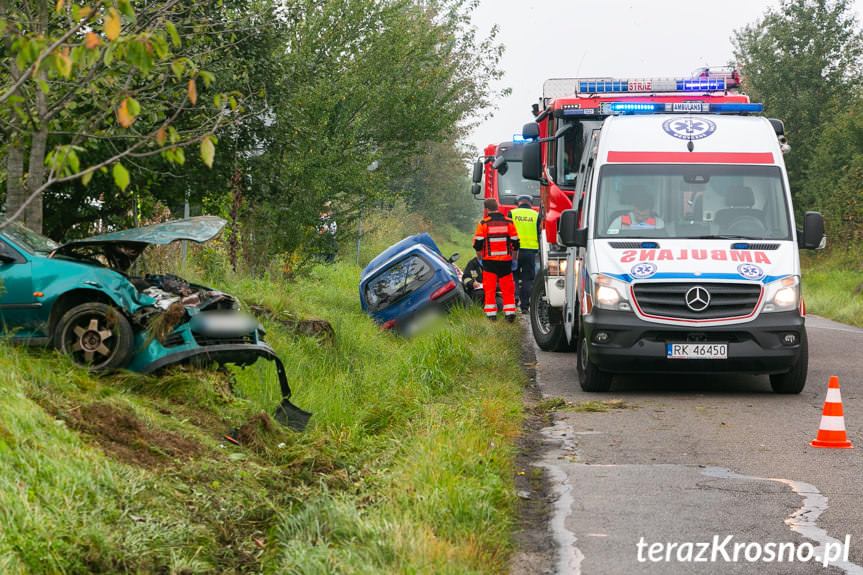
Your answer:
<point x="410" y="282"/>
<point x="81" y="299"/>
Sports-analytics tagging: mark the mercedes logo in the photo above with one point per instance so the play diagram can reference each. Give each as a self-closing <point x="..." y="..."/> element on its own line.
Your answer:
<point x="697" y="298"/>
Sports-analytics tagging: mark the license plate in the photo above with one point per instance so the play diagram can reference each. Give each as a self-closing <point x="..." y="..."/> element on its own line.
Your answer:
<point x="696" y="351"/>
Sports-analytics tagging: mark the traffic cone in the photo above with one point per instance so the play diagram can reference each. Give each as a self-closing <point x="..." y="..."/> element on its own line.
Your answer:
<point x="831" y="432"/>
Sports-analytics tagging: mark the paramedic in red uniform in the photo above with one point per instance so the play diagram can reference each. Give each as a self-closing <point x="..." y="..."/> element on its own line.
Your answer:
<point x="641" y="214"/>
<point x="496" y="245"/>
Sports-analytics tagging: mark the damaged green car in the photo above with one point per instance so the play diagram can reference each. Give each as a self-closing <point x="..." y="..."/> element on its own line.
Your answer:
<point x="81" y="299"/>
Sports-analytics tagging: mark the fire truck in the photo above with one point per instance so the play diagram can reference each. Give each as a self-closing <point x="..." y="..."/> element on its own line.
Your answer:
<point x="669" y="239"/>
<point x="497" y="174"/>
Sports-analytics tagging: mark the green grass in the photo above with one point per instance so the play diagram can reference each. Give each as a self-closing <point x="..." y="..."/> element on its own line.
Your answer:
<point x="406" y="467"/>
<point x="830" y="284"/>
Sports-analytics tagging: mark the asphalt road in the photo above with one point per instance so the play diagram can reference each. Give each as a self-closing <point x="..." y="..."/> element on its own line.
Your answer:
<point x="706" y="474"/>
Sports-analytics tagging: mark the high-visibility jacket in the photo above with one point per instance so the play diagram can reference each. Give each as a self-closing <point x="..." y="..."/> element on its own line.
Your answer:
<point x="627" y="221"/>
<point x="496" y="237"/>
<point x="525" y="224"/>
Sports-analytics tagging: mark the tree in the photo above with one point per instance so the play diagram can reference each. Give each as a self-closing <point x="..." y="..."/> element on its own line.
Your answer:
<point x="95" y="88"/>
<point x="801" y="61"/>
<point x="358" y="91"/>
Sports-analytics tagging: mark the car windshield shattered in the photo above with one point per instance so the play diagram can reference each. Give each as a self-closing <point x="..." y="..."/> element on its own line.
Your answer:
<point x="28" y="240"/>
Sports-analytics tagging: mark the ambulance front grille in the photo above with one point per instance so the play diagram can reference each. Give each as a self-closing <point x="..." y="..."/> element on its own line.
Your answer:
<point x="668" y="300"/>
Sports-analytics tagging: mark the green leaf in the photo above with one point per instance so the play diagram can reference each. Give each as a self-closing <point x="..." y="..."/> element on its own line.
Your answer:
<point x="177" y="67"/>
<point x="126" y="10"/>
<point x="72" y="162"/>
<point x="208" y="151"/>
<point x="85" y="179"/>
<point x="138" y="55"/>
<point x="207" y="76"/>
<point x="43" y="85"/>
<point x="133" y="106"/>
<point x="121" y="176"/>
<point x="172" y="31"/>
<point x="109" y="54"/>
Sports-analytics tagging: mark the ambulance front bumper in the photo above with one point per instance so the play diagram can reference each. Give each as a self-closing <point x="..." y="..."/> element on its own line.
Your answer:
<point x="620" y="342"/>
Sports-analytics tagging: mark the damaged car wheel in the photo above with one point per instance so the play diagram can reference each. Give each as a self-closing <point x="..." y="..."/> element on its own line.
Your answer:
<point x="95" y="335"/>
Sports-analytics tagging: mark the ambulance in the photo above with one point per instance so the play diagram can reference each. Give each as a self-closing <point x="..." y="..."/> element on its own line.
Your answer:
<point x="681" y="252"/>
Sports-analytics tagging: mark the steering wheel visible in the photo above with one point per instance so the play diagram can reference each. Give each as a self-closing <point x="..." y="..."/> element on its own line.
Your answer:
<point x="748" y="226"/>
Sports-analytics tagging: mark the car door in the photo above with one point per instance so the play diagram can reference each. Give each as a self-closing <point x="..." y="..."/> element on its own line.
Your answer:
<point x="20" y="310"/>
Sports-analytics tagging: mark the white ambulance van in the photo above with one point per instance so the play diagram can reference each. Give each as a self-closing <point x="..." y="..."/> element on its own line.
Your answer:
<point x="682" y="253"/>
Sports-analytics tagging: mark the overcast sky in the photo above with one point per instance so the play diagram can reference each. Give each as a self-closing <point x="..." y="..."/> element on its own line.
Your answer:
<point x="620" y="38"/>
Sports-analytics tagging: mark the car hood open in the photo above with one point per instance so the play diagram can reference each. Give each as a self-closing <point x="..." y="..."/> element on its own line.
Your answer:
<point x="122" y="248"/>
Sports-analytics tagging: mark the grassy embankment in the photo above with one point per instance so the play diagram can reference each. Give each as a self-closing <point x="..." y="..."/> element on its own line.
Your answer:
<point x="830" y="284"/>
<point x="407" y="466"/>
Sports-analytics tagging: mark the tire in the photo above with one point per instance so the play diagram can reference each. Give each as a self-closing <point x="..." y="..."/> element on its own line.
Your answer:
<point x="794" y="380"/>
<point x="591" y="378"/>
<point x="95" y="335"/>
<point x="545" y="321"/>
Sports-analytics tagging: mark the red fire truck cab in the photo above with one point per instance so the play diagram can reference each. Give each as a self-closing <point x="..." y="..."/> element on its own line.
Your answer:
<point x="497" y="174"/>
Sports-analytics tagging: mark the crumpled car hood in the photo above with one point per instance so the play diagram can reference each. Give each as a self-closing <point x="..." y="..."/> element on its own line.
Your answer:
<point x="122" y="248"/>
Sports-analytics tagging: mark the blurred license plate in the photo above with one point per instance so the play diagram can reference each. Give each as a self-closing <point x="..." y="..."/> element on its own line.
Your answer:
<point x="696" y="351"/>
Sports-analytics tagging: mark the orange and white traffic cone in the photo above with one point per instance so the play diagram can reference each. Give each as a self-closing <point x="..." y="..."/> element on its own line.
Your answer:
<point x="831" y="432"/>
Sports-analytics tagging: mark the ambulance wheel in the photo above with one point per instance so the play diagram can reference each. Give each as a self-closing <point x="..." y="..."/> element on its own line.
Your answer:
<point x="794" y="380"/>
<point x="591" y="378"/>
<point x="545" y="321"/>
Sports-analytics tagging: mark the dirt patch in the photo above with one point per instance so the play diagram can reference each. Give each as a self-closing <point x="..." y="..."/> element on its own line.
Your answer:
<point x="534" y="553"/>
<point x="125" y="437"/>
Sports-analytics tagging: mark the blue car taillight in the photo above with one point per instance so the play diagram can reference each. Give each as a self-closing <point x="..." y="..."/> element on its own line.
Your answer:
<point x="448" y="286"/>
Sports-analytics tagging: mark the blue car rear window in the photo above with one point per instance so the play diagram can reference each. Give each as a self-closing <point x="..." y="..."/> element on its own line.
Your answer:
<point x="398" y="280"/>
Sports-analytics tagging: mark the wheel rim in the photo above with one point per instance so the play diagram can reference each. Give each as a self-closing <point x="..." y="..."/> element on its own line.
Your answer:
<point x="543" y="324"/>
<point x="88" y="340"/>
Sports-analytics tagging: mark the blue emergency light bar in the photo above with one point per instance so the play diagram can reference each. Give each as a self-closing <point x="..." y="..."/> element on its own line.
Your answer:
<point x="519" y="139"/>
<point x="608" y="86"/>
<point x="623" y="108"/>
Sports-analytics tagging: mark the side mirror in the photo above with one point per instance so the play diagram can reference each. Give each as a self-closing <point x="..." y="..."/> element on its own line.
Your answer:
<point x="475" y="190"/>
<point x="778" y="126"/>
<point x="570" y="234"/>
<point x="531" y="161"/>
<point x="454" y="257"/>
<point x="499" y="164"/>
<point x="477" y="171"/>
<point x="812" y="236"/>
<point x="530" y="131"/>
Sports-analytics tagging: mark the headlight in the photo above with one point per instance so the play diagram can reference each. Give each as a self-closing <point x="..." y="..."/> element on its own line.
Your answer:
<point x="610" y="293"/>
<point x="557" y="267"/>
<point x="782" y="295"/>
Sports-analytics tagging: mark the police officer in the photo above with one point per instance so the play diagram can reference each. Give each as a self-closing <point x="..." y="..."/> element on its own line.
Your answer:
<point x="524" y="217"/>
<point x="496" y="245"/>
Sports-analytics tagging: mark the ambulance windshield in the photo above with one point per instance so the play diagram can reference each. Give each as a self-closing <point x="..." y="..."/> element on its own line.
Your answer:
<point x="689" y="201"/>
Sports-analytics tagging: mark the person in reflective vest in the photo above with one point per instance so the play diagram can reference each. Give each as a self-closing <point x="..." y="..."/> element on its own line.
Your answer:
<point x="496" y="244"/>
<point x="525" y="219"/>
<point x="640" y="215"/>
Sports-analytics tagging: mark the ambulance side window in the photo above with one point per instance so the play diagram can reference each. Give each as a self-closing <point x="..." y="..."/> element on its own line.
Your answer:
<point x="586" y="167"/>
